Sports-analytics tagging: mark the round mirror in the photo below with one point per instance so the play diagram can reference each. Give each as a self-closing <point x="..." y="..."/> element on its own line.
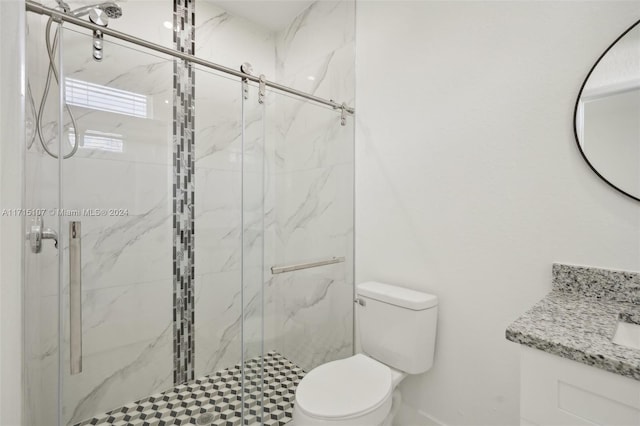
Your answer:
<point x="607" y="114"/>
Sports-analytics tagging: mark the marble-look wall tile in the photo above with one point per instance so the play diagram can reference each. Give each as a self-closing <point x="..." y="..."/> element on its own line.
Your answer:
<point x="137" y="188"/>
<point x="218" y="311"/>
<point x="41" y="342"/>
<point x="41" y="379"/>
<point x="231" y="40"/>
<point x="124" y="373"/>
<point x="313" y="315"/>
<point x="218" y="122"/>
<point x="307" y="136"/>
<point x="124" y="315"/>
<point x="317" y="204"/>
<point x="114" y="249"/>
<point x="228" y="205"/>
<point x="218" y="218"/>
<point x="330" y="76"/>
<point x="322" y="28"/>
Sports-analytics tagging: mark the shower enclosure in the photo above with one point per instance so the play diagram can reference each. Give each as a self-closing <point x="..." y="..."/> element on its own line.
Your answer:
<point x="200" y="257"/>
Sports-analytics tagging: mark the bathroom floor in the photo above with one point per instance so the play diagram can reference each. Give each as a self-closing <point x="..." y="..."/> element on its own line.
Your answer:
<point x="216" y="399"/>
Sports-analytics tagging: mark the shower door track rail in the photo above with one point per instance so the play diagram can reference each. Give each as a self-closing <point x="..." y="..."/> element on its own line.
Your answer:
<point x="33" y="6"/>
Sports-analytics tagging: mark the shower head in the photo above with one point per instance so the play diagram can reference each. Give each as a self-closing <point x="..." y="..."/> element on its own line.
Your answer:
<point x="111" y="9"/>
<point x="99" y="14"/>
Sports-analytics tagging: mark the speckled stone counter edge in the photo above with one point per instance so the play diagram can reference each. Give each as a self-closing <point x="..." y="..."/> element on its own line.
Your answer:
<point x="621" y="286"/>
<point x="619" y="291"/>
<point x="593" y="360"/>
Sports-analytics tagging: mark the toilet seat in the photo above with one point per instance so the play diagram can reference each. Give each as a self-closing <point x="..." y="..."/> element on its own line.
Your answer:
<point x="346" y="389"/>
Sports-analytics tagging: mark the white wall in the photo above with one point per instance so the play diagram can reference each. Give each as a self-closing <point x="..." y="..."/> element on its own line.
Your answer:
<point x="468" y="181"/>
<point x="620" y="65"/>
<point x="11" y="135"/>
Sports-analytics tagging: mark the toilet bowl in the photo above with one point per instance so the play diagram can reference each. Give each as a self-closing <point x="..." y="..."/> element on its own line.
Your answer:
<point x="351" y="391"/>
<point x="397" y="330"/>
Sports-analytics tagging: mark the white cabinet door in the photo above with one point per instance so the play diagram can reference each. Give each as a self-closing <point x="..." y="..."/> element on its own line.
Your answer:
<point x="555" y="391"/>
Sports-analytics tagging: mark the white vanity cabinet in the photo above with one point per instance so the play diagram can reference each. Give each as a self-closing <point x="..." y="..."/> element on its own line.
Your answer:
<point x="558" y="391"/>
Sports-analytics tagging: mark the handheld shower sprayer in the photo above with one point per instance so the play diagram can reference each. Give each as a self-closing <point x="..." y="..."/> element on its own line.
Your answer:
<point x="99" y="14"/>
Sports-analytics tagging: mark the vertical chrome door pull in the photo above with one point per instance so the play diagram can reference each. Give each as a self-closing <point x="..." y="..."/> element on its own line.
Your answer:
<point x="75" y="296"/>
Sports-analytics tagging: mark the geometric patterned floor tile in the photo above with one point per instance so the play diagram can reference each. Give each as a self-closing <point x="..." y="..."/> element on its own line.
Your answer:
<point x="217" y="399"/>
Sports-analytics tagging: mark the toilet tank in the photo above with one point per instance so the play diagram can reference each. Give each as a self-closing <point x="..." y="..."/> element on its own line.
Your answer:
<point x="397" y="326"/>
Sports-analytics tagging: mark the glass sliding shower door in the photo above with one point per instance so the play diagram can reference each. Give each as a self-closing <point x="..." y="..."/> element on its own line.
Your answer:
<point x="41" y="271"/>
<point x="309" y="311"/>
<point x="148" y="283"/>
<point x="204" y="257"/>
<point x="297" y="274"/>
<point x="118" y="219"/>
<point x="252" y="254"/>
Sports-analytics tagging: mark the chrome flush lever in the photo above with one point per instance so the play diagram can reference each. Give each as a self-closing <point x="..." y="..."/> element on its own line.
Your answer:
<point x="38" y="233"/>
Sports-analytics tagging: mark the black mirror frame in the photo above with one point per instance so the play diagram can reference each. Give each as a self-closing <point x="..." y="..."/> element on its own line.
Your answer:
<point x="575" y="114"/>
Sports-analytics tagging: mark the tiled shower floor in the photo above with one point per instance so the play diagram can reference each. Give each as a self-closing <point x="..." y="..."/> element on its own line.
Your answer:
<point x="219" y="397"/>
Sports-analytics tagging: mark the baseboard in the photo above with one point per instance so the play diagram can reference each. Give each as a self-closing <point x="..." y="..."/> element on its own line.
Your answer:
<point x="409" y="416"/>
<point x="432" y="421"/>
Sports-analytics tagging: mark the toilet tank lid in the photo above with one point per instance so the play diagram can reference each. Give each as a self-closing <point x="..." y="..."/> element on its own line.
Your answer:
<point x="399" y="296"/>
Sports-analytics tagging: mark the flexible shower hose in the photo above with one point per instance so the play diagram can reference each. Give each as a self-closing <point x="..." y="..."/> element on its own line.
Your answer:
<point x="51" y="71"/>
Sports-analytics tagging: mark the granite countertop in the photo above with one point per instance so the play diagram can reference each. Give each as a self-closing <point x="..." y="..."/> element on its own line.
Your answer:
<point x="578" y="319"/>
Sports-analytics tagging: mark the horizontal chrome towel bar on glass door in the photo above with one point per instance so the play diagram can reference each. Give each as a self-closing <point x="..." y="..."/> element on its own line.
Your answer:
<point x="298" y="266"/>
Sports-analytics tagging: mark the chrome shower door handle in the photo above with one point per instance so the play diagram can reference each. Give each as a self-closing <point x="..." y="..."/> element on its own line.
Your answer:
<point x="75" y="296"/>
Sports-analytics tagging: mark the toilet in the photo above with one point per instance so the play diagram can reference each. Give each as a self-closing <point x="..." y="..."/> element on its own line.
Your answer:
<point x="397" y="330"/>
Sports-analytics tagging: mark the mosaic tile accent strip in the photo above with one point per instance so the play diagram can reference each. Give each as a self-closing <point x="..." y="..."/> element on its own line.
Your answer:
<point x="183" y="194"/>
<point x="220" y="396"/>
<point x="621" y="286"/>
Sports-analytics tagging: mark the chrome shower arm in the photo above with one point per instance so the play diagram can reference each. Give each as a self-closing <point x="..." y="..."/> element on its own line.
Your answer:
<point x="82" y="11"/>
<point x="64" y="6"/>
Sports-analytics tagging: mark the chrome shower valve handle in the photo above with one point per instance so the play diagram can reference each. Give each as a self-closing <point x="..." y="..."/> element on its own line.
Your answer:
<point x="38" y="232"/>
<point x="98" y="17"/>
